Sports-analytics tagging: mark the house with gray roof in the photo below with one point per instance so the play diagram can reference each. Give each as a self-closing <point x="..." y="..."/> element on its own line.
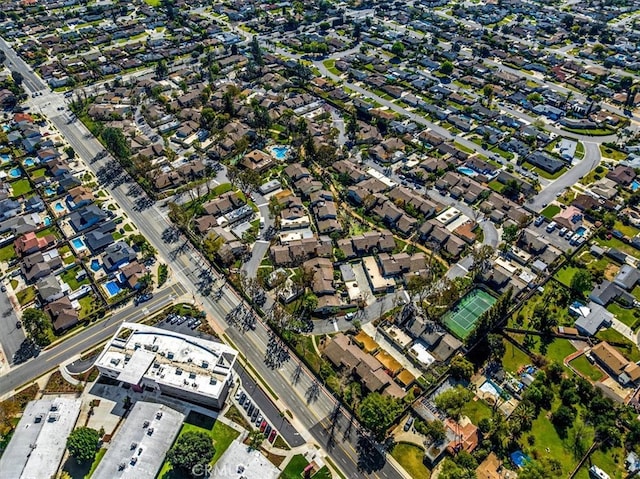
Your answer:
<point x="597" y="317"/>
<point x="627" y="277"/>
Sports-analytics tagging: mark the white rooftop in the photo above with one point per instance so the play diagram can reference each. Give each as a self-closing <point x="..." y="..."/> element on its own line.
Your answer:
<point x="133" y="452"/>
<point x="40" y="439"/>
<point x="240" y="461"/>
<point x="138" y="351"/>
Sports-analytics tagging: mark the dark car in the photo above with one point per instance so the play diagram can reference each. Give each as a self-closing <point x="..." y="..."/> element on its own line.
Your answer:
<point x="143" y="298"/>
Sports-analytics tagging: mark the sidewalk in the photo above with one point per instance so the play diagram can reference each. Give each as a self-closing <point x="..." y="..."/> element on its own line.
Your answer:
<point x="625" y="330"/>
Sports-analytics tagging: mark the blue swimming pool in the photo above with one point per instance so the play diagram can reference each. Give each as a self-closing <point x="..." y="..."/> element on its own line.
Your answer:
<point x="581" y="230"/>
<point x="49" y="191"/>
<point x="58" y="207"/>
<point x="112" y="288"/>
<point x="6" y="128"/>
<point x="467" y="171"/>
<point x="635" y="185"/>
<point x="491" y="388"/>
<point x="15" y="172"/>
<point x="47" y="221"/>
<point x="280" y="152"/>
<point x="95" y="265"/>
<point x="5" y="158"/>
<point x="78" y="244"/>
<point x="29" y="162"/>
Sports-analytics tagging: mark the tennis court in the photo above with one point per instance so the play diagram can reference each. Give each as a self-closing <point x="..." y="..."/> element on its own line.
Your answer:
<point x="462" y="317"/>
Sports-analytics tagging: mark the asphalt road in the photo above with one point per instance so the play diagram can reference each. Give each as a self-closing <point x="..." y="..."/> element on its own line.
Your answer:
<point x="269" y="410"/>
<point x="89" y="337"/>
<point x="190" y="270"/>
<point x="11" y="337"/>
<point x="590" y="161"/>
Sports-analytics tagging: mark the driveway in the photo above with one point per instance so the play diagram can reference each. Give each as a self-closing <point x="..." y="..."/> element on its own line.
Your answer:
<point x="260" y="247"/>
<point x="590" y="161"/>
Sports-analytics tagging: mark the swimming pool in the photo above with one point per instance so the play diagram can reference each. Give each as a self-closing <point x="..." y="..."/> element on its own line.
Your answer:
<point x="112" y="288"/>
<point x="47" y="221"/>
<point x="6" y="128"/>
<point x="15" y="172"/>
<point x="29" y="162"/>
<point x="490" y="387"/>
<point x="467" y="171"/>
<point x="5" y="158"/>
<point x="95" y="265"/>
<point x="49" y="191"/>
<point x="581" y="230"/>
<point x="635" y="185"/>
<point x="78" y="244"/>
<point x="279" y="152"/>
<point x="58" y="207"/>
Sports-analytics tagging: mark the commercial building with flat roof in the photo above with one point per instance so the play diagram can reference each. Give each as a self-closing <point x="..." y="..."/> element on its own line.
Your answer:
<point x="240" y="461"/>
<point x="138" y="449"/>
<point x="176" y="365"/>
<point x="40" y="439"/>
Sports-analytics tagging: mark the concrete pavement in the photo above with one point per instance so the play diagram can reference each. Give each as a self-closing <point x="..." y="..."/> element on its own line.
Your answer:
<point x="591" y="160"/>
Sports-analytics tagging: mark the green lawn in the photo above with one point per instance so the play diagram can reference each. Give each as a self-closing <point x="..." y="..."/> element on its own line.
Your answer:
<point x="558" y="350"/>
<point x="580" y="150"/>
<point x="611" y="461"/>
<point x="618" y="244"/>
<point x="496" y="186"/>
<point x="593" y="176"/>
<point x="582" y="364"/>
<point x="612" y="153"/>
<point x="627" y="230"/>
<point x="26" y="295"/>
<point x="69" y="277"/>
<point x="96" y="461"/>
<point x="330" y="65"/>
<point x="410" y="458"/>
<point x="88" y="304"/>
<point x="476" y="410"/>
<point x="221" y="434"/>
<point x="543" y="173"/>
<point x="38" y="173"/>
<point x="295" y="467"/>
<point x="636" y="292"/>
<point x="550" y="211"/>
<point x="565" y="274"/>
<point x="627" y="316"/>
<point x="153" y="3"/>
<point x="514" y="358"/>
<point x="7" y="252"/>
<point x="21" y="187"/>
<point x="51" y="230"/>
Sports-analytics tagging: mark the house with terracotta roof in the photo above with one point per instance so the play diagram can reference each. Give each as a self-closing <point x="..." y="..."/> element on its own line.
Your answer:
<point x="570" y="218"/>
<point x="30" y="243"/>
<point x="257" y="160"/>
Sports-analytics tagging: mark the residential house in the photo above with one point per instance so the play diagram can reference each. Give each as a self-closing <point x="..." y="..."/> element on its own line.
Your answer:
<point x="257" y="160"/>
<point x="37" y="265"/>
<point x="78" y="197"/>
<point x="49" y="289"/>
<point x="101" y="237"/>
<point x="622" y="175"/>
<point x="133" y="273"/>
<point x="614" y="363"/>
<point x="627" y="278"/>
<point x="117" y="255"/>
<point x="30" y="243"/>
<point x="63" y="315"/>
<point x="86" y="217"/>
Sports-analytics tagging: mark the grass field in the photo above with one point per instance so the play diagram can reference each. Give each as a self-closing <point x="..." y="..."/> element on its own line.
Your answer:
<point x="461" y="320"/>
<point x="476" y="410"/>
<point x="7" y="252"/>
<point x="565" y="274"/>
<point x="295" y="467"/>
<point x="21" y="187"/>
<point x="627" y="316"/>
<point x="514" y="358"/>
<point x="550" y="211"/>
<point x="221" y="434"/>
<point x="582" y="365"/>
<point x="612" y="153"/>
<point x="618" y="244"/>
<point x="410" y="458"/>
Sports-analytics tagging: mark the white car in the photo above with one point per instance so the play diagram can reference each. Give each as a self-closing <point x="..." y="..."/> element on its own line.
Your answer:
<point x="349" y="316"/>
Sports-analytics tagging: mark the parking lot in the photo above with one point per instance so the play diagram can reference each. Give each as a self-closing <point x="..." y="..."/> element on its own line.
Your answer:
<point x="560" y="242"/>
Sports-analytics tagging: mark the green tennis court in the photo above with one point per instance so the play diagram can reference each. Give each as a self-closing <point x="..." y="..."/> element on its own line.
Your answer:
<point x="463" y="316"/>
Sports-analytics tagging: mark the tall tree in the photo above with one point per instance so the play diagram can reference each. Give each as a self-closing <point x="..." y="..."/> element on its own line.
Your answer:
<point x="82" y="444"/>
<point x="193" y="448"/>
<point x="37" y="323"/>
<point x="377" y="413"/>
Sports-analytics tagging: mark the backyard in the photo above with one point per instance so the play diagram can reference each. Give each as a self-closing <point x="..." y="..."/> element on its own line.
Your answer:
<point x="588" y="370"/>
<point x="21" y="187"/>
<point x="296" y="466"/>
<point x="69" y="277"/>
<point x="221" y="434"/>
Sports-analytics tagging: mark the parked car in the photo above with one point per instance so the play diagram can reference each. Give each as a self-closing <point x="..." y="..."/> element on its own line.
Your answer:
<point x="408" y="424"/>
<point x="238" y="394"/>
<point x="263" y="425"/>
<point x="272" y="436"/>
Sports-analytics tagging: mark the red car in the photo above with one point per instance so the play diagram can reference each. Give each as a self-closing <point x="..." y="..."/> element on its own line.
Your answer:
<point x="272" y="436"/>
<point x="263" y="426"/>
